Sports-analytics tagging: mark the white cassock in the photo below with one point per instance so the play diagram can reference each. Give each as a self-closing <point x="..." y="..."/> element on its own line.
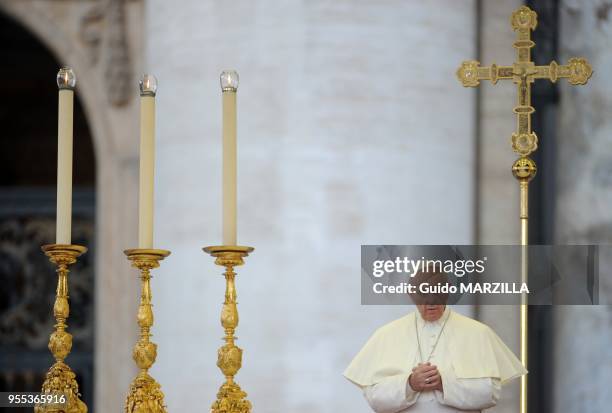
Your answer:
<point x="472" y="360"/>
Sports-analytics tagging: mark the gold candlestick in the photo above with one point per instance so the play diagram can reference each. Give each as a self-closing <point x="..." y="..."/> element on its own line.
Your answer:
<point x="60" y="378"/>
<point x="230" y="398"/>
<point x="145" y="395"/>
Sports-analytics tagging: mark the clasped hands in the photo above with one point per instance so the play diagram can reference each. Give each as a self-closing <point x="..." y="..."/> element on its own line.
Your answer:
<point x="425" y="377"/>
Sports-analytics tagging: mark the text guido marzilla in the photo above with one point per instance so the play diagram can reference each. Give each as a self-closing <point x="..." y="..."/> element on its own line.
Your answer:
<point x="468" y="288"/>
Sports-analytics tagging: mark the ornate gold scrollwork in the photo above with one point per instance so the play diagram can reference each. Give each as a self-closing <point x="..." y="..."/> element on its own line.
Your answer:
<point x="60" y="379"/>
<point x="524" y="169"/>
<point x="145" y="395"/>
<point x="524" y="18"/>
<point x="230" y="397"/>
<point x="468" y="73"/>
<point x="580" y="71"/>
<point x="524" y="143"/>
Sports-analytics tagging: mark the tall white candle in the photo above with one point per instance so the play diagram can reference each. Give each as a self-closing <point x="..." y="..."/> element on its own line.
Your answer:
<point x="66" y="82"/>
<point x="148" y="89"/>
<point x="229" y="86"/>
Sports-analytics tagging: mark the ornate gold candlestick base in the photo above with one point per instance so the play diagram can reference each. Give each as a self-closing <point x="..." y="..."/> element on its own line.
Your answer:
<point x="145" y="395"/>
<point x="60" y="378"/>
<point x="230" y="398"/>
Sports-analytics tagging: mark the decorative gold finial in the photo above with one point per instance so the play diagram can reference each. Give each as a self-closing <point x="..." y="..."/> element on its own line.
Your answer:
<point x="145" y="395"/>
<point x="580" y="71"/>
<point x="524" y="169"/>
<point x="524" y="143"/>
<point x="60" y="378"/>
<point x="524" y="19"/>
<point x="230" y="397"/>
<point x="468" y="73"/>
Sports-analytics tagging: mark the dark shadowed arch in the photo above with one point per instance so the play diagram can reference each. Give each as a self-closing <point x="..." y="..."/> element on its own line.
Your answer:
<point x="28" y="115"/>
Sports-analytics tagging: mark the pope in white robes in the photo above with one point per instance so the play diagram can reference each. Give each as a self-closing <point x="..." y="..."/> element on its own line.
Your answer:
<point x="433" y="360"/>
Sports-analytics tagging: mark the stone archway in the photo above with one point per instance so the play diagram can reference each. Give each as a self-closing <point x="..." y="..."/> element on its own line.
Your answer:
<point x="102" y="40"/>
<point x="27" y="218"/>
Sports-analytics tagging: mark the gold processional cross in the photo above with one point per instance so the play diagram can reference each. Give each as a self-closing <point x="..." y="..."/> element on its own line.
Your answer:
<point x="524" y="141"/>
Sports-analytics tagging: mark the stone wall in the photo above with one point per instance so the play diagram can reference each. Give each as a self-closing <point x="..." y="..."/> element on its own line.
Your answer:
<point x="583" y="215"/>
<point x="352" y="129"/>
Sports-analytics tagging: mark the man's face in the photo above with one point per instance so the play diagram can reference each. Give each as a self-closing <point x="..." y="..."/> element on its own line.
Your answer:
<point x="431" y="312"/>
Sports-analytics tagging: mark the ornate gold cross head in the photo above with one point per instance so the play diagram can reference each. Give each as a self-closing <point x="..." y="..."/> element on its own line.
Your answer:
<point x="523" y="73"/>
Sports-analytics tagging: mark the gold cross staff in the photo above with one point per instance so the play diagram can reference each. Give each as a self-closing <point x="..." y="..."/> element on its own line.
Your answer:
<point x="524" y="141"/>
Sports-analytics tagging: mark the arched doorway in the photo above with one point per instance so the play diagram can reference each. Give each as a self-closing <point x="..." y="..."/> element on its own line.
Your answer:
<point x="28" y="114"/>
